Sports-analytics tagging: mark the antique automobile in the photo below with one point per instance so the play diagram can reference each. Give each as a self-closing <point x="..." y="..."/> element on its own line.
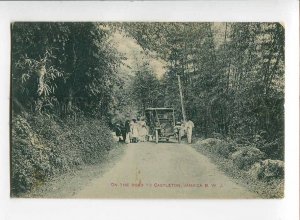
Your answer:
<point x="162" y="125"/>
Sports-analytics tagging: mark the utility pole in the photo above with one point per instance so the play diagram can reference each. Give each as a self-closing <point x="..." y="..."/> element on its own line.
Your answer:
<point x="181" y="98"/>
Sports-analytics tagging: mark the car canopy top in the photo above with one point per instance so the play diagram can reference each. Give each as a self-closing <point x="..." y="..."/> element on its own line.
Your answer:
<point x="159" y="113"/>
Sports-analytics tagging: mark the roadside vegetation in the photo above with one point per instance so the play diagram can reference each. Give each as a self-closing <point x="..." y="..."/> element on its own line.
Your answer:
<point x="248" y="163"/>
<point x="44" y="147"/>
<point x="65" y="89"/>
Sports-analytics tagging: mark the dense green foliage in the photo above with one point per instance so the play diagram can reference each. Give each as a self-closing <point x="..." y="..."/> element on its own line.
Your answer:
<point x="268" y="170"/>
<point x="245" y="157"/>
<point x="60" y="73"/>
<point x="63" y="68"/>
<point x="232" y="76"/>
<point x="146" y="88"/>
<point x="43" y="147"/>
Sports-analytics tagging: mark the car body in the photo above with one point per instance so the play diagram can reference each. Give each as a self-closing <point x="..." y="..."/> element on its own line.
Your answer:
<point x="162" y="124"/>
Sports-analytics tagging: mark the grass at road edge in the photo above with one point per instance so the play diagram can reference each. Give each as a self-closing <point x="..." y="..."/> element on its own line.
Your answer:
<point x="68" y="184"/>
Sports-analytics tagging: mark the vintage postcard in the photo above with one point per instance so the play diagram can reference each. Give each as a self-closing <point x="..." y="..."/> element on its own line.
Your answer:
<point x="190" y="110"/>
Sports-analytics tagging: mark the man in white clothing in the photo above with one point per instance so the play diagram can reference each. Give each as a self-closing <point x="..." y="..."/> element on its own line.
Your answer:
<point x="189" y="125"/>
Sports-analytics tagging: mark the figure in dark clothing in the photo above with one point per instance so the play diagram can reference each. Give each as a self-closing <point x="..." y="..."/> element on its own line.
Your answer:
<point x="118" y="131"/>
<point x="123" y="129"/>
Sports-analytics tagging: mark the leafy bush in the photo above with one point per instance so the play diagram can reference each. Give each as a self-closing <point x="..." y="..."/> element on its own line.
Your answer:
<point x="26" y="153"/>
<point x="95" y="138"/>
<point x="273" y="149"/>
<point x="218" y="146"/>
<point x="42" y="147"/>
<point x="209" y="144"/>
<point x="245" y="157"/>
<point x="217" y="135"/>
<point x="226" y="149"/>
<point x="268" y="170"/>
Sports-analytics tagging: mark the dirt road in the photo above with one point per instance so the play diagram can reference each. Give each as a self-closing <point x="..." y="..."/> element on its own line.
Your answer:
<point x="164" y="170"/>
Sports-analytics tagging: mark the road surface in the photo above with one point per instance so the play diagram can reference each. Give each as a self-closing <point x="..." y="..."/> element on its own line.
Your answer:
<point x="164" y="170"/>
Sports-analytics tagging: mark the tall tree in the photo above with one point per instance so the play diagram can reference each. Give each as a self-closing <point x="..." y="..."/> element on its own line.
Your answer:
<point x="64" y="67"/>
<point x="146" y="88"/>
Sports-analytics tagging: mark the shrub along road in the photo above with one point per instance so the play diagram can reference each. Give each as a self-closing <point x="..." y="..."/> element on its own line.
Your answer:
<point x="164" y="170"/>
<point x="67" y="184"/>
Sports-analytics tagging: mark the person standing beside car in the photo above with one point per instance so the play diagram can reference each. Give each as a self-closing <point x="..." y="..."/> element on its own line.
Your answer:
<point x="189" y="130"/>
<point x="143" y="132"/>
